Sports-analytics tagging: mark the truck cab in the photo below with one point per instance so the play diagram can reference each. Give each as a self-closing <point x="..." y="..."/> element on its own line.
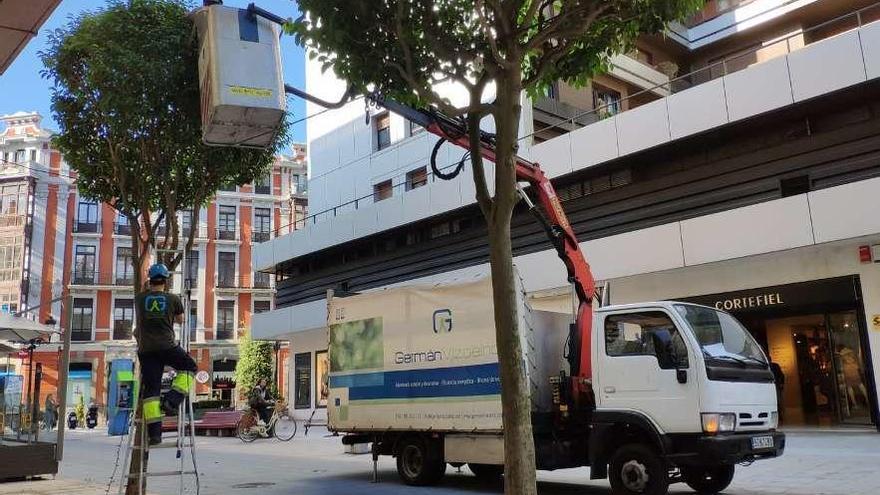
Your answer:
<point x="682" y="393"/>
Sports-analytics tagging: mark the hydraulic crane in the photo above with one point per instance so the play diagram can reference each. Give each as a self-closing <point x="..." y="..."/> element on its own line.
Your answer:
<point x="551" y="215"/>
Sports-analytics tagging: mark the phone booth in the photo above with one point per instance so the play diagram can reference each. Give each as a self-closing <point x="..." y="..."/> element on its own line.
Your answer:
<point x="122" y="396"/>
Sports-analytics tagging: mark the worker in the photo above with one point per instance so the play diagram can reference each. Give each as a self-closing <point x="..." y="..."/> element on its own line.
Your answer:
<point x="157" y="311"/>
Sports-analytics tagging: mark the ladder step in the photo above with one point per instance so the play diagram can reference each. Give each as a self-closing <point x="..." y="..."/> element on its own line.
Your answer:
<point x="160" y="473"/>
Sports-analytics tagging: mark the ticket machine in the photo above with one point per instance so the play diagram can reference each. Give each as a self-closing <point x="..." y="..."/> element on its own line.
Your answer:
<point x="122" y="396"/>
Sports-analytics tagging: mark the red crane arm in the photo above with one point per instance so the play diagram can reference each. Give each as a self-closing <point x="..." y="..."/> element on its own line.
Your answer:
<point x="558" y="228"/>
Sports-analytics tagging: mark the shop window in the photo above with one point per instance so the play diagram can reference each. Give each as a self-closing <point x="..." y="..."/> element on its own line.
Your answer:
<point x="382" y="190"/>
<point x="416" y="178"/>
<point x="302" y="376"/>
<point x="632" y="335"/>
<point x="383" y="131"/>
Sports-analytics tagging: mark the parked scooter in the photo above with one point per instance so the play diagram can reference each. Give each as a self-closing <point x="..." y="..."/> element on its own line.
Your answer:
<point x="71" y="420"/>
<point x="92" y="417"/>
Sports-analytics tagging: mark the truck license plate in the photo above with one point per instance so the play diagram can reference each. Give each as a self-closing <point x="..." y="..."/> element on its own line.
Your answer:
<point x="759" y="443"/>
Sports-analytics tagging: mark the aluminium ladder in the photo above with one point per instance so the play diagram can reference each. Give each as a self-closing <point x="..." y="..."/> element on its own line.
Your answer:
<point x="184" y="420"/>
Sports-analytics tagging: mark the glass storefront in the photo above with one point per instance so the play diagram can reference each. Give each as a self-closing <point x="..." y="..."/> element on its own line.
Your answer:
<point x="814" y="335"/>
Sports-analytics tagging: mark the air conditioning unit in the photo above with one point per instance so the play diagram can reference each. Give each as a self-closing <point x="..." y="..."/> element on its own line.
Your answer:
<point x="240" y="77"/>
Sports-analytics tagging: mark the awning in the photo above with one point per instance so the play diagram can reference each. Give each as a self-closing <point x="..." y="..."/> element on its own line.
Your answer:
<point x="18" y="329"/>
<point x="19" y="22"/>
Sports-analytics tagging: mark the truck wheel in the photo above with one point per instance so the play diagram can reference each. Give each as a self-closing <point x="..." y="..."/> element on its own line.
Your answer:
<point x="487" y="472"/>
<point x="636" y="469"/>
<point x="417" y="464"/>
<point x="708" y="480"/>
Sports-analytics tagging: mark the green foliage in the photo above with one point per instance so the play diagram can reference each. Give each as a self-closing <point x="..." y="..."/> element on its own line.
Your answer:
<point x="412" y="44"/>
<point x="357" y="345"/>
<point x="254" y="362"/>
<point x="126" y="99"/>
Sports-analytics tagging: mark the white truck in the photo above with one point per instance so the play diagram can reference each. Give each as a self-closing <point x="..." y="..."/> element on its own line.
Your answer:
<point x="682" y="392"/>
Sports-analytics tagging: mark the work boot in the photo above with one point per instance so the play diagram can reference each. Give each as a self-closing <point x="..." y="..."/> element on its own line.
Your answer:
<point x="155" y="440"/>
<point x="168" y="409"/>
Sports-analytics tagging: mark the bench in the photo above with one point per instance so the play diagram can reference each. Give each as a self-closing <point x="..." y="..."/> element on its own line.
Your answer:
<point x="213" y="423"/>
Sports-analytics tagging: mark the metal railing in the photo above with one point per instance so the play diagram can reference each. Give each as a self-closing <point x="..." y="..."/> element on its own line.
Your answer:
<point x="257" y="280"/>
<point x="261" y="236"/>
<point x="11" y="220"/>
<point x="88" y="277"/>
<point x="225" y="234"/>
<point x="87" y="227"/>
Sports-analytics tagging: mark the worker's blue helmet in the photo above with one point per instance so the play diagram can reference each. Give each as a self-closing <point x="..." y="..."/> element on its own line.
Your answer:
<point x="158" y="271"/>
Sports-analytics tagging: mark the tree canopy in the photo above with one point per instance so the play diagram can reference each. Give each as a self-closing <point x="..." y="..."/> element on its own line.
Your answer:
<point x="126" y="99"/>
<point x="254" y="363"/>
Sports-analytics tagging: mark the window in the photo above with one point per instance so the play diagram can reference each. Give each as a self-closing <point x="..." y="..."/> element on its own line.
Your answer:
<point x="84" y="265"/>
<point x="186" y="223"/>
<point x="382" y="190"/>
<point x="262" y="306"/>
<point x="416" y="178"/>
<point x="228" y="187"/>
<point x="122" y="227"/>
<point x="262" y="225"/>
<point x="605" y="100"/>
<point x="225" y="269"/>
<point x="414" y="128"/>
<point x="11" y="257"/>
<point x="225" y="320"/>
<point x="383" y="131"/>
<point x="123" y="318"/>
<point x="227" y="223"/>
<point x="33" y="155"/>
<point x="262" y="280"/>
<point x="20" y="156"/>
<point x="193" y="320"/>
<point x="641" y="334"/>
<point x="81" y="322"/>
<point x="192" y="269"/>
<point x="263" y="185"/>
<point x="124" y="269"/>
<point x="86" y="216"/>
<point x="294" y="184"/>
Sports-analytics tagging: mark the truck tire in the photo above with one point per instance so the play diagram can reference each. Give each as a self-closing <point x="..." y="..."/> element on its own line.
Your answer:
<point x="418" y="464"/>
<point x="487" y="472"/>
<point x="708" y="480"/>
<point x="635" y="469"/>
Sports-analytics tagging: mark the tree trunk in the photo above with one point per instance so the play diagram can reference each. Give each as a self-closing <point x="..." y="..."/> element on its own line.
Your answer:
<point x="519" y="445"/>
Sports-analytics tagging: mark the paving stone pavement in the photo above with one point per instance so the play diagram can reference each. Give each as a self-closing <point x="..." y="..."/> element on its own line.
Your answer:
<point x="815" y="463"/>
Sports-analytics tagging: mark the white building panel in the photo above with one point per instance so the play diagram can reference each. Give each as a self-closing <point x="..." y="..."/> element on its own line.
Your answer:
<point x="390" y="211"/>
<point x="849" y="210"/>
<point x="697" y="109"/>
<point x="870" y="37"/>
<point x="642" y="251"/>
<point x="320" y="234"/>
<point x="341" y="227"/>
<point x="297" y="244"/>
<point x="366" y="220"/>
<point x="758" y="89"/>
<point x="264" y="255"/>
<point x="554" y="156"/>
<point x="383" y="164"/>
<point x="771" y="226"/>
<point x="643" y="127"/>
<point x="594" y="144"/>
<point x="414" y="151"/>
<point x="541" y="270"/>
<point x="416" y="204"/>
<point x="445" y="195"/>
<point x="826" y="66"/>
<point x="345" y="139"/>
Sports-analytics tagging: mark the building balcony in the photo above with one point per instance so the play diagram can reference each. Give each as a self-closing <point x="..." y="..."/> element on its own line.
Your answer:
<point x="120" y="228"/>
<point x="12" y="220"/>
<point x="259" y="282"/>
<point x="85" y="278"/>
<point x="227" y="234"/>
<point x="224" y="333"/>
<point x="258" y="237"/>
<point x="86" y="227"/>
<point x="122" y="330"/>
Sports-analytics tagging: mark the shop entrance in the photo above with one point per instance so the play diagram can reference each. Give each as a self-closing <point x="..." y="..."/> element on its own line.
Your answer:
<point x="821" y="366"/>
<point x="813" y="334"/>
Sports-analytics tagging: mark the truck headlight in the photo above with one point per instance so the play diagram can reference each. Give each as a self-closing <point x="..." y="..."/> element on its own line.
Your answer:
<point x="718" y="422"/>
<point x="774" y="420"/>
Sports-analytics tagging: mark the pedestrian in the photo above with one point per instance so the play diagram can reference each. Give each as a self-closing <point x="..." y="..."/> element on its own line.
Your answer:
<point x="157" y="312"/>
<point x="50" y="412"/>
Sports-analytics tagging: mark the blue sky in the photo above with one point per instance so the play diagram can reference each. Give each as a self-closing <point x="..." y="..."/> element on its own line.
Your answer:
<point x="22" y="87"/>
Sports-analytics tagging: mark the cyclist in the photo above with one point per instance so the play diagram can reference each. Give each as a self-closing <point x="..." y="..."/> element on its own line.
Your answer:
<point x="260" y="400"/>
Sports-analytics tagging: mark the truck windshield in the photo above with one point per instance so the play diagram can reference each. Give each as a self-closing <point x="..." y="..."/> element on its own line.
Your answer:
<point x="722" y="339"/>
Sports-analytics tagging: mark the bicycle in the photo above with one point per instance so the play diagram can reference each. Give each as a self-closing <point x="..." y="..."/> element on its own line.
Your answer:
<point x="281" y="425"/>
